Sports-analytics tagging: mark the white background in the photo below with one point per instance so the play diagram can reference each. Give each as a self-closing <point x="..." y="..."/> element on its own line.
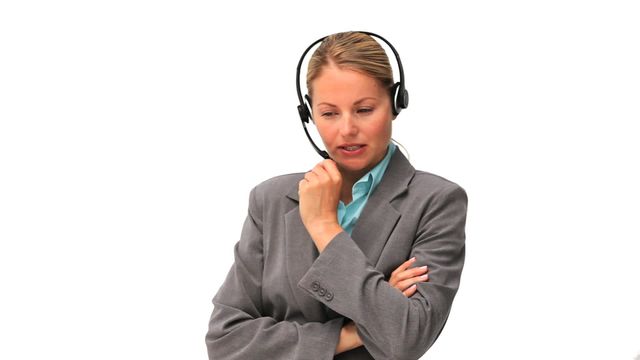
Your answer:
<point x="131" y="133"/>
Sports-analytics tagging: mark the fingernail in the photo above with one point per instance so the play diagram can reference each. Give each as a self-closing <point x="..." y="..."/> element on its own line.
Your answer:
<point x="413" y="258"/>
<point x="423" y="267"/>
<point x="424" y="277"/>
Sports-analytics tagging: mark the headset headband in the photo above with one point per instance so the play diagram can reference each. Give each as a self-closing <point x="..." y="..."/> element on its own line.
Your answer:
<point x="304" y="54"/>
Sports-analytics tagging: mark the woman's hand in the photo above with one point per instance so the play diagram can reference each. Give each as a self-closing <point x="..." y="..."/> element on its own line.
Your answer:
<point x="319" y="194"/>
<point x="404" y="279"/>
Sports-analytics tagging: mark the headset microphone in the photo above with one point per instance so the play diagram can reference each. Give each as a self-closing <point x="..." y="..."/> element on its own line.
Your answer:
<point x="399" y="94"/>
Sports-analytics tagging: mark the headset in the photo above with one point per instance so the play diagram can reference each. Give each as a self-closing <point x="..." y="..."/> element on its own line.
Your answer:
<point x="399" y="94"/>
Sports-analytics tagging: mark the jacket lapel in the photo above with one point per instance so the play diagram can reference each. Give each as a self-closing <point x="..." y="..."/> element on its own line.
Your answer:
<point x="371" y="232"/>
<point x="379" y="217"/>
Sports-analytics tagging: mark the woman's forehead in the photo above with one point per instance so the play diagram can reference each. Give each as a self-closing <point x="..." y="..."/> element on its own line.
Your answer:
<point x="334" y="83"/>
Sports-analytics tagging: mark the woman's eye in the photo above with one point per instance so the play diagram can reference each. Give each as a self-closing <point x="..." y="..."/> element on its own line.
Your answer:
<point x="364" y="110"/>
<point x="328" y="114"/>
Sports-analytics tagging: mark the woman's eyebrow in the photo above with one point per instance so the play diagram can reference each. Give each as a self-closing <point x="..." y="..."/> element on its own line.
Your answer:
<point x="363" y="99"/>
<point x="355" y="103"/>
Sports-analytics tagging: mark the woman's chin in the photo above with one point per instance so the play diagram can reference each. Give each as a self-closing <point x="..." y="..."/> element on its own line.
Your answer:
<point x="350" y="166"/>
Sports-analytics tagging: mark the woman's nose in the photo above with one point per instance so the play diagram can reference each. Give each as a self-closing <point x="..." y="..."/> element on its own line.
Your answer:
<point x="348" y="125"/>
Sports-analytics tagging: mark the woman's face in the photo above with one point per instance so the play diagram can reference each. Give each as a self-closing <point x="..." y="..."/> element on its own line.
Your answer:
<point x="352" y="113"/>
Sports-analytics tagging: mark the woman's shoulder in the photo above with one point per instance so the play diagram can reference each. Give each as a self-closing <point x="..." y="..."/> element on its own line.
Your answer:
<point x="280" y="183"/>
<point x="277" y="187"/>
<point x="434" y="184"/>
<point x="420" y="183"/>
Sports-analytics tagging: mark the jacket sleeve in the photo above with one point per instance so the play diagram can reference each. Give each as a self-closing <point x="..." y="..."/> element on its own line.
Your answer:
<point x="239" y="329"/>
<point x="391" y="325"/>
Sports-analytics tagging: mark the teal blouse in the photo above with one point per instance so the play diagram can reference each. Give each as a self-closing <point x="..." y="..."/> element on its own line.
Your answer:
<point x="348" y="214"/>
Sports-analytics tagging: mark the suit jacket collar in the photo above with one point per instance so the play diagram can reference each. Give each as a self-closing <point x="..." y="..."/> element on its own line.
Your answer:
<point x="371" y="232"/>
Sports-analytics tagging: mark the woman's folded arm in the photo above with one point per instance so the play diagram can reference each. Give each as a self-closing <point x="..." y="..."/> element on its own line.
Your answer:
<point x="391" y="325"/>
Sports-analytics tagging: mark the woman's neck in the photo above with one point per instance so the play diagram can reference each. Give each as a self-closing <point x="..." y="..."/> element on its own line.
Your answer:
<point x="348" y="179"/>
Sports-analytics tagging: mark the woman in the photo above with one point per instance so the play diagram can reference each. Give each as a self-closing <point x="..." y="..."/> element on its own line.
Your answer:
<point x="327" y="263"/>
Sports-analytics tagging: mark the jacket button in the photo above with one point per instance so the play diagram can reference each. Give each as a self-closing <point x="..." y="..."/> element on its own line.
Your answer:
<point x="315" y="286"/>
<point x="329" y="296"/>
<point x="322" y="291"/>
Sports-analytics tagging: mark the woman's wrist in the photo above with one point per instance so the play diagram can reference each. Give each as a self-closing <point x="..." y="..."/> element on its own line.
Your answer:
<point x="349" y="338"/>
<point x="324" y="233"/>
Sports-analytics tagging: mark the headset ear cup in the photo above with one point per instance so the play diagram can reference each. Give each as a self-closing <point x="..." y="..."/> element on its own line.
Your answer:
<point x="304" y="112"/>
<point x="394" y="99"/>
<point x="307" y="107"/>
<point x="399" y="98"/>
<point x="403" y="98"/>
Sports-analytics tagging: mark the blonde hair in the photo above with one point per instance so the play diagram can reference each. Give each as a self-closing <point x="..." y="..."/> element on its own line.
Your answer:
<point x="351" y="50"/>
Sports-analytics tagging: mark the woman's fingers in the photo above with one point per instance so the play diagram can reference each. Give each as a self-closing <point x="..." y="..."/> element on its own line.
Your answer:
<point x="324" y="172"/>
<point x="407" y="274"/>
<point x="320" y="174"/>
<point x="410" y="291"/>
<point x="310" y="176"/>
<point x="405" y="279"/>
<point x="403" y="266"/>
<point x="405" y="284"/>
<point x="332" y="170"/>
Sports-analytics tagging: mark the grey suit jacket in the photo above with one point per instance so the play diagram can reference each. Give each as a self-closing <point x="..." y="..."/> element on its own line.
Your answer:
<point x="283" y="300"/>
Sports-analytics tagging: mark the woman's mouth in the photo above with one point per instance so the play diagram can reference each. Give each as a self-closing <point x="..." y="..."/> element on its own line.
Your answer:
<point x="352" y="149"/>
